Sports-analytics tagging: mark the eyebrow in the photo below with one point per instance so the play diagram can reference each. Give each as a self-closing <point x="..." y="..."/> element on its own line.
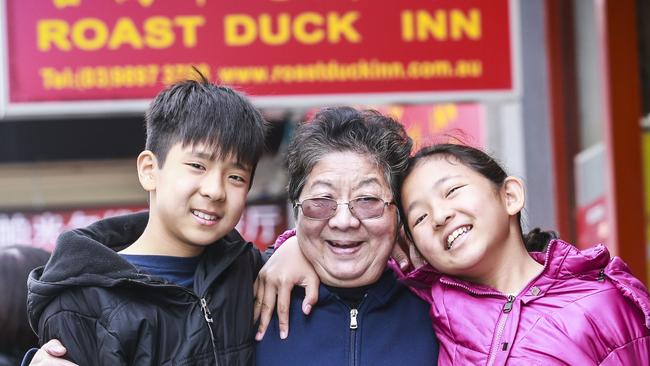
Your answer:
<point x="368" y="181"/>
<point x="202" y="154"/>
<point x="322" y="182"/>
<point x="365" y="182"/>
<point x="437" y="184"/>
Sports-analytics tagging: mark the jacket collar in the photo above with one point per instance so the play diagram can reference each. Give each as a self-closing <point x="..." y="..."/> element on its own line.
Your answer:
<point x="380" y="292"/>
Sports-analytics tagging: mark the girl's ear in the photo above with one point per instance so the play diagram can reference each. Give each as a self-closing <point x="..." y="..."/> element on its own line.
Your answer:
<point x="147" y="169"/>
<point x="513" y="195"/>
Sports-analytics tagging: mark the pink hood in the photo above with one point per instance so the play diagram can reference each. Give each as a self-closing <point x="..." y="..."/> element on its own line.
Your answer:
<point x="584" y="308"/>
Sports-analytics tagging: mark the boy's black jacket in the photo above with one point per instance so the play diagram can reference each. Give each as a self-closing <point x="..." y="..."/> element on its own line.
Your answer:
<point x="107" y="312"/>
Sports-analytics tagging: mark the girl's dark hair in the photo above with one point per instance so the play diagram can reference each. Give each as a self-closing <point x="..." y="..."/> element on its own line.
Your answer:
<point x="16" y="262"/>
<point x="485" y="165"/>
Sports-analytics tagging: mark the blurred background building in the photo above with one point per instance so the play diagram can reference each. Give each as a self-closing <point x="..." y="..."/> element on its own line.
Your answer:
<point x="559" y="90"/>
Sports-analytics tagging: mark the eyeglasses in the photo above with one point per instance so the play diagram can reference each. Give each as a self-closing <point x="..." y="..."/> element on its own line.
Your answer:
<point x="362" y="208"/>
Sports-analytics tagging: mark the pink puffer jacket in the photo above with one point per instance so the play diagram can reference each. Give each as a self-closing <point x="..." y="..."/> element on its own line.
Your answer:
<point x="583" y="309"/>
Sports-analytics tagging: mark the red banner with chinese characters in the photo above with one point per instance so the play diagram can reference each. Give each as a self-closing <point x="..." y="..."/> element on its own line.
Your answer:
<point x="92" y="50"/>
<point x="260" y="224"/>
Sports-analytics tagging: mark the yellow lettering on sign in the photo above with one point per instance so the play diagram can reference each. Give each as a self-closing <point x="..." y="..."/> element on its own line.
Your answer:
<point x="60" y="4"/>
<point x="306" y="28"/>
<point x="52" y="32"/>
<point x="442" y="116"/>
<point x="343" y="26"/>
<point x="469" y="26"/>
<point x="283" y="32"/>
<point x="239" y="29"/>
<point x="89" y="34"/>
<point x="189" y="24"/>
<point x="158" y="32"/>
<point x="435" y="26"/>
<point x="125" y="32"/>
<point x="300" y="28"/>
<point x="441" y="25"/>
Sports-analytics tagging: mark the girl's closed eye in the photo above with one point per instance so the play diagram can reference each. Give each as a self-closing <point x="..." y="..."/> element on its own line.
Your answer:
<point x="454" y="189"/>
<point x="419" y="219"/>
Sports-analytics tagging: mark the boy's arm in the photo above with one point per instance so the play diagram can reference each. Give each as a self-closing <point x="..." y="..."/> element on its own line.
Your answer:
<point x="286" y="268"/>
<point x="86" y="340"/>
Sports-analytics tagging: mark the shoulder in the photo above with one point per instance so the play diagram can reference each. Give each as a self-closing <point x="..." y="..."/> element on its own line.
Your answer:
<point x="103" y="304"/>
<point x="596" y="313"/>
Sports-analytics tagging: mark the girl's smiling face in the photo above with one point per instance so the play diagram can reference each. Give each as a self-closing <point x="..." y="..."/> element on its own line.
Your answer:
<point x="459" y="220"/>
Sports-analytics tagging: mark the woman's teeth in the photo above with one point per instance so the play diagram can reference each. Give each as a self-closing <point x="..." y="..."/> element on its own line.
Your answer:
<point x="454" y="235"/>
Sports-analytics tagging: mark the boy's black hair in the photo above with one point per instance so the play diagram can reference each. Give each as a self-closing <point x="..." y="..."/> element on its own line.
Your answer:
<point x="198" y="111"/>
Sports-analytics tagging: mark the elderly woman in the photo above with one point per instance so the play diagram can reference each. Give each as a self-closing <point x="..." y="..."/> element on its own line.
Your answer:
<point x="343" y="171"/>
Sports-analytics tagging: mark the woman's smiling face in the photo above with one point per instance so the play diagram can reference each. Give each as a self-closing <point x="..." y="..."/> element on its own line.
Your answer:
<point x="346" y="251"/>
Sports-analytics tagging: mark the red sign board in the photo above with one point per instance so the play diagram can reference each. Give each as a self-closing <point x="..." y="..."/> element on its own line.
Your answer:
<point x="260" y="224"/>
<point x="281" y="52"/>
<point x="441" y="123"/>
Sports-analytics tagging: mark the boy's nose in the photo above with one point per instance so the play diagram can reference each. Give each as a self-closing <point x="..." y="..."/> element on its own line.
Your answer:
<point x="213" y="189"/>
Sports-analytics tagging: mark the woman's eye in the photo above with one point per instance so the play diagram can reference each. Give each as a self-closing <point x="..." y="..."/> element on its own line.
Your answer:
<point x="419" y="220"/>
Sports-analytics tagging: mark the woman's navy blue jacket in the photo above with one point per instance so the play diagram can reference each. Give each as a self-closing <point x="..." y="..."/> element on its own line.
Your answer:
<point x="392" y="328"/>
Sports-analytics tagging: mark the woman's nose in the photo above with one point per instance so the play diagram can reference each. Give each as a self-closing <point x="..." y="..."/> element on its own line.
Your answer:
<point x="343" y="218"/>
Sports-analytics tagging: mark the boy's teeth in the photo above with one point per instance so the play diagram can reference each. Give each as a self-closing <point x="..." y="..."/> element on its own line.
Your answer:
<point x="204" y="216"/>
<point x="454" y="235"/>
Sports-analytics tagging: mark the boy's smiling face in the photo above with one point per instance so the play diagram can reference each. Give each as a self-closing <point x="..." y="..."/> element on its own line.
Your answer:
<point x="195" y="197"/>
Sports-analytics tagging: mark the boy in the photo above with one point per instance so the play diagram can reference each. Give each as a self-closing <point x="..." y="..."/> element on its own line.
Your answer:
<point x="173" y="286"/>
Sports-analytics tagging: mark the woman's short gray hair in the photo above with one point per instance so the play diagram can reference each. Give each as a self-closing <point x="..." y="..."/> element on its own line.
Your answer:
<point x="340" y="129"/>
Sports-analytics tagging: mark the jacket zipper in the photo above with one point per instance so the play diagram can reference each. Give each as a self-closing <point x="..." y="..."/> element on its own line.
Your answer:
<point x="354" y="325"/>
<point x="507" y="307"/>
<point x="208" y="320"/>
<point x="204" y="309"/>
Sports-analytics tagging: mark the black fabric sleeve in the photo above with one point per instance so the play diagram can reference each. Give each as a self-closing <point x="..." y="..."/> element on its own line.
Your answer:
<point x="87" y="341"/>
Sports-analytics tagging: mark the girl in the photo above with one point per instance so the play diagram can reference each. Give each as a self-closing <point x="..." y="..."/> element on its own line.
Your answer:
<point x="493" y="302"/>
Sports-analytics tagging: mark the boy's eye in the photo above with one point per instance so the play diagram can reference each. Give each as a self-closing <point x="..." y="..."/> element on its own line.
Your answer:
<point x="238" y="178"/>
<point x="419" y="219"/>
<point x="196" y="166"/>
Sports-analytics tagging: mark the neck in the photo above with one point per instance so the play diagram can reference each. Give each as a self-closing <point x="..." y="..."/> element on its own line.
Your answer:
<point x="153" y="241"/>
<point x="513" y="268"/>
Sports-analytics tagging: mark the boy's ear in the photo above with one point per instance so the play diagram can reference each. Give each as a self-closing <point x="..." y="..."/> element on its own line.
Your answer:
<point x="514" y="195"/>
<point x="147" y="169"/>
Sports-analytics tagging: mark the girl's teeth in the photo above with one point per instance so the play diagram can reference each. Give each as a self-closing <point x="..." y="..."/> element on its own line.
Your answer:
<point x="454" y="235"/>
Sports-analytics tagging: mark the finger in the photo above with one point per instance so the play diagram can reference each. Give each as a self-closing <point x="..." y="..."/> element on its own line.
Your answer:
<point x="311" y="294"/>
<point x="267" y="306"/>
<point x="258" y="287"/>
<point x="284" y="301"/>
<point x="54" y="347"/>
<point x="400" y="256"/>
<point x="416" y="257"/>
